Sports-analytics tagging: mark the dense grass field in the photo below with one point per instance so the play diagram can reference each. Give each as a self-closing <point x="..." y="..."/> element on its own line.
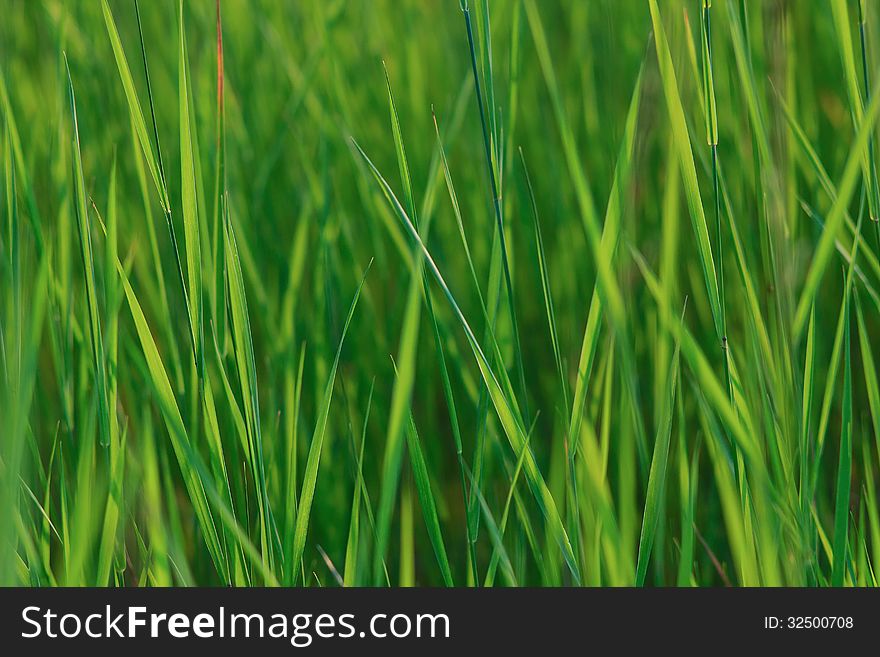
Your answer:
<point x="384" y="292"/>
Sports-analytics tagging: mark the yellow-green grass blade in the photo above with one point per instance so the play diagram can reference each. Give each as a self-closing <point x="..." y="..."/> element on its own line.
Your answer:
<point x="472" y="506"/>
<point x="873" y="183"/>
<point x="158" y="272"/>
<point x="88" y="262"/>
<point x="712" y="139"/>
<point x="112" y="301"/>
<point x="398" y="425"/>
<point x="218" y="314"/>
<point x="841" y="337"/>
<point x="403" y="385"/>
<point x="406" y="576"/>
<point x="682" y="144"/>
<point x="17" y="401"/>
<point x="608" y="286"/>
<point x="151" y="491"/>
<point x="116" y="446"/>
<point x="735" y="522"/>
<point x="310" y="475"/>
<point x="293" y="395"/>
<point x="189" y="202"/>
<point x="238" y="533"/>
<point x="505" y="409"/>
<point x="711" y="114"/>
<point x="237" y="307"/>
<point x="740" y="40"/>
<point x="738" y="422"/>
<point x="495" y="533"/>
<point x="844" y="463"/>
<point x="496" y="551"/>
<point x="840" y="14"/>
<point x="807" y="404"/>
<point x="16" y="155"/>
<point x="818" y="169"/>
<point x="242" y="340"/>
<point x="134" y="107"/>
<point x="657" y="476"/>
<point x="871" y="503"/>
<point x="368" y="507"/>
<point x="755" y="313"/>
<point x="397" y="416"/>
<point x="350" y="572"/>
<point x="112" y="512"/>
<point x="870" y="369"/>
<point x="425" y="492"/>
<point x="491" y="144"/>
<point x="608" y="244"/>
<point x="835" y="218"/>
<point x="488" y="307"/>
<point x="174" y="422"/>
<point x="689" y="475"/>
<point x="456" y="209"/>
<point x="844" y="249"/>
<point x="549" y="310"/>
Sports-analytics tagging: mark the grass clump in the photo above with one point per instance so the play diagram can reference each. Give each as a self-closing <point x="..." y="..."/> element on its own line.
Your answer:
<point x="397" y="293"/>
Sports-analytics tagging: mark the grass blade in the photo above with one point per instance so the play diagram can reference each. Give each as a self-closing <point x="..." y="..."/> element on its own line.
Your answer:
<point x="310" y="476"/>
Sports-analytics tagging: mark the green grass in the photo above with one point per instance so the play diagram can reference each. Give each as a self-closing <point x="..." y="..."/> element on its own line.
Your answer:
<point x="451" y="293"/>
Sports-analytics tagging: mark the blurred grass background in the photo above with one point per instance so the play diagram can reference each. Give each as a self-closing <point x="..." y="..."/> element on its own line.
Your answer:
<point x="171" y="408"/>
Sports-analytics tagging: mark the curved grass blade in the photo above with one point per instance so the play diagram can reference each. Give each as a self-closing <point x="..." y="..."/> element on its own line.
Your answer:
<point x="400" y="421"/>
<point x="88" y="262"/>
<point x="606" y="283"/>
<point x="426" y="499"/>
<point x="681" y="139"/>
<point x="841" y="337"/>
<point x="609" y="242"/>
<point x="349" y="576"/>
<point x="738" y="422"/>
<point x="549" y="310"/>
<point x="115" y="501"/>
<point x="490" y="144"/>
<point x="310" y="476"/>
<point x="16" y="155"/>
<point x="870" y="369"/>
<point x="506" y="409"/>
<point x="657" y="475"/>
<point x="844" y="464"/>
<point x="496" y="553"/>
<point x="840" y="16"/>
<point x="835" y="218"/>
<point x="244" y="353"/>
<point x="188" y="197"/>
<point x="134" y="106"/>
<point x="174" y="422"/>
